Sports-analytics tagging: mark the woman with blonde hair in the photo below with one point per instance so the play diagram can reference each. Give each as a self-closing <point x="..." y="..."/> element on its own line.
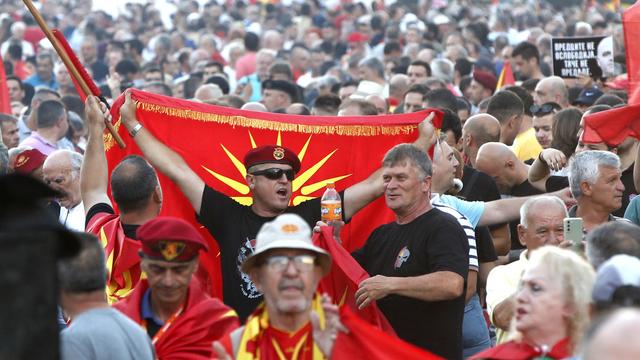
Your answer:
<point x="551" y="309"/>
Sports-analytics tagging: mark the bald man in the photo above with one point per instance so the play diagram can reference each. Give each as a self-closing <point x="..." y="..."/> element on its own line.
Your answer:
<point x="254" y="106"/>
<point x="381" y="104"/>
<point x="510" y="174"/>
<point x="398" y="86"/>
<point x="610" y="338"/>
<point x="478" y="130"/>
<point x="61" y="171"/>
<point x="551" y="89"/>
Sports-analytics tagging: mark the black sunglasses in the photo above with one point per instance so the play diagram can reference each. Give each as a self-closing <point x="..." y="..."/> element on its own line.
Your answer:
<point x="275" y="173"/>
<point x="544" y="109"/>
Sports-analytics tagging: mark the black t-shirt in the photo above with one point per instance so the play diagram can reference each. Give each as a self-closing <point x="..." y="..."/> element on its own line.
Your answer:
<point x="129" y="230"/>
<point x="432" y="242"/>
<point x="479" y="186"/>
<point x="555" y="183"/>
<point x="235" y="226"/>
<point x="524" y="189"/>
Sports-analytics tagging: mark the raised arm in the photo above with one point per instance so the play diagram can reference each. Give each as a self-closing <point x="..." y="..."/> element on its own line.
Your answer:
<point x="539" y="172"/>
<point x="361" y="194"/>
<point x="161" y="157"/>
<point x="504" y="210"/>
<point x="94" y="175"/>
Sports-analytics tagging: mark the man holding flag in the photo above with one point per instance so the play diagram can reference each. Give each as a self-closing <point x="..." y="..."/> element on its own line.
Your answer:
<point x="270" y="172"/>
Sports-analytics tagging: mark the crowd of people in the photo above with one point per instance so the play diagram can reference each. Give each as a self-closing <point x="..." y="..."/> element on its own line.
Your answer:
<point x="479" y="262"/>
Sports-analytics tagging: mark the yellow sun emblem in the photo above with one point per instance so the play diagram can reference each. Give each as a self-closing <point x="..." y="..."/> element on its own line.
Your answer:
<point x="301" y="191"/>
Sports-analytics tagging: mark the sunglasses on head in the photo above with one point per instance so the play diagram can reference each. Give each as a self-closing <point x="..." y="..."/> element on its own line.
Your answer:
<point x="544" y="109"/>
<point x="275" y="173"/>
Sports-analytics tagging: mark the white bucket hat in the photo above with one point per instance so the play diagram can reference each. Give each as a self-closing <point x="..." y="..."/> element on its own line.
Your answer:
<point x="287" y="231"/>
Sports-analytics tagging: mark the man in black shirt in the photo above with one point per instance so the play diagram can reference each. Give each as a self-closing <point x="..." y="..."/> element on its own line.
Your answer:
<point x="418" y="263"/>
<point x="270" y="171"/>
<point x="511" y="175"/>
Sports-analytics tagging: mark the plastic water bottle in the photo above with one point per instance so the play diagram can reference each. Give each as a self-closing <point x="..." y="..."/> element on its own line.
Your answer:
<point x="331" y="209"/>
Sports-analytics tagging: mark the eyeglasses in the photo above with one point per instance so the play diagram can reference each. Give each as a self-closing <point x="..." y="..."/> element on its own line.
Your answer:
<point x="302" y="263"/>
<point x="544" y="109"/>
<point x="275" y="173"/>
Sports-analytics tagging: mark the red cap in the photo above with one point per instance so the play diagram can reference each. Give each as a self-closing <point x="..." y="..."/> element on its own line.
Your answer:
<point x="170" y="239"/>
<point x="357" y="37"/>
<point x="486" y="79"/>
<point x="272" y="154"/>
<point x="28" y="161"/>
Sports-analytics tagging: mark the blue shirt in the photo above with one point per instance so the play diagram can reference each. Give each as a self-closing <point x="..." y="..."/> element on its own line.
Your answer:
<point x="36" y="81"/>
<point x="472" y="210"/>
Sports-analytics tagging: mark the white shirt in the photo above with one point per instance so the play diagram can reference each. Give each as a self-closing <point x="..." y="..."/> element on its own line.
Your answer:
<point x="74" y="218"/>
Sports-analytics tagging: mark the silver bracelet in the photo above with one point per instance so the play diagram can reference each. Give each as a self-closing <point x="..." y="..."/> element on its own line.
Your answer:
<point x="135" y="130"/>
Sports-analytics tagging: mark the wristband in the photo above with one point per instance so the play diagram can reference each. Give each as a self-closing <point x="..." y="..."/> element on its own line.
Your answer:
<point x="135" y="130"/>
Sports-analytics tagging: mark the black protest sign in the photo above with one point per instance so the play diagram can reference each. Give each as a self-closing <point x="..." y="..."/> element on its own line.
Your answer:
<point x="573" y="57"/>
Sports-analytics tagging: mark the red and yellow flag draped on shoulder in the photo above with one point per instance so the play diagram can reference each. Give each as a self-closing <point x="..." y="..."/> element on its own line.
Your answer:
<point x="213" y="141"/>
<point x="202" y="321"/>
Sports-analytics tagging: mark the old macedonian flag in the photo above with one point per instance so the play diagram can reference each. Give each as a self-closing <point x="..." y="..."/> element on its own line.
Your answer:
<point x="213" y="141"/>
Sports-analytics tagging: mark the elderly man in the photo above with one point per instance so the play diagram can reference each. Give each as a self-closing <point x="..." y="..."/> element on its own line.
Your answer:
<point x="540" y="224"/>
<point x="594" y="178"/>
<point x="551" y="89"/>
<point x="61" y="171"/>
<point x="286" y="267"/>
<point x="136" y="191"/>
<point x="98" y="331"/>
<point x="177" y="314"/>
<point x="419" y="263"/>
<point x="52" y="125"/>
<point x="270" y="172"/>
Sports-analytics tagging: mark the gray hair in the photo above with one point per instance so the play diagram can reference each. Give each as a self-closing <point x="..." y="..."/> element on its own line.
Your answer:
<point x="612" y="238"/>
<point x="442" y="69"/>
<point x="374" y="64"/>
<point x="524" y="209"/>
<point x="404" y="152"/>
<point x="585" y="166"/>
<point x="86" y="271"/>
<point x="76" y="162"/>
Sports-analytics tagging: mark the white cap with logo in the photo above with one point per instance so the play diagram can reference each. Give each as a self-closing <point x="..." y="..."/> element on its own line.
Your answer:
<point x="287" y="231"/>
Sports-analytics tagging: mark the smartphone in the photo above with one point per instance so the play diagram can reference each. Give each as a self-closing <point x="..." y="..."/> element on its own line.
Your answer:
<point x="574" y="232"/>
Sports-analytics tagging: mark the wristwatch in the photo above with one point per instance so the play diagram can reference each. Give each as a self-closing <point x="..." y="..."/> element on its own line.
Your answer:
<point x="135" y="130"/>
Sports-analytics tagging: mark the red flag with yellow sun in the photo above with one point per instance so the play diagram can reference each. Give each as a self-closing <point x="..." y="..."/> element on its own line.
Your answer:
<point x="213" y="141"/>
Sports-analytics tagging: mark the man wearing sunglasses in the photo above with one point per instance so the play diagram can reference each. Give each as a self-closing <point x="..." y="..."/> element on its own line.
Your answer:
<point x="543" y="122"/>
<point x="270" y="170"/>
<point x="286" y="267"/>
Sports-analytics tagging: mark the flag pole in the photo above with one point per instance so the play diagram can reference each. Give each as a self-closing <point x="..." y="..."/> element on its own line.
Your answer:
<point x="67" y="62"/>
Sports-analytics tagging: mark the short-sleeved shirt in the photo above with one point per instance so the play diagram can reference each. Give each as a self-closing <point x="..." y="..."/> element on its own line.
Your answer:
<point x="234" y="227"/>
<point x="107" y="334"/>
<point x="432" y="242"/>
<point x="472" y="210"/>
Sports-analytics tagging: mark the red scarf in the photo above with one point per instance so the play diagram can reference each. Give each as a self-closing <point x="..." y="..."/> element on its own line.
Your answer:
<point x="520" y="351"/>
<point x="203" y="321"/>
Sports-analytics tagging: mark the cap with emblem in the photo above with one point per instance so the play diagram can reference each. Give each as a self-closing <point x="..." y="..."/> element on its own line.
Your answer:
<point x="272" y="154"/>
<point x="28" y="161"/>
<point x="170" y="239"/>
<point x="287" y="231"/>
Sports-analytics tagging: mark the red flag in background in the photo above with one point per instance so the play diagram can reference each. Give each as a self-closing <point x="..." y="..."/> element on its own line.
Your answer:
<point x="506" y="76"/>
<point x="78" y="65"/>
<point x="5" y="101"/>
<point x="367" y="342"/>
<point x="342" y="281"/>
<point x="611" y="126"/>
<point x="631" y="27"/>
<point x="212" y="139"/>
